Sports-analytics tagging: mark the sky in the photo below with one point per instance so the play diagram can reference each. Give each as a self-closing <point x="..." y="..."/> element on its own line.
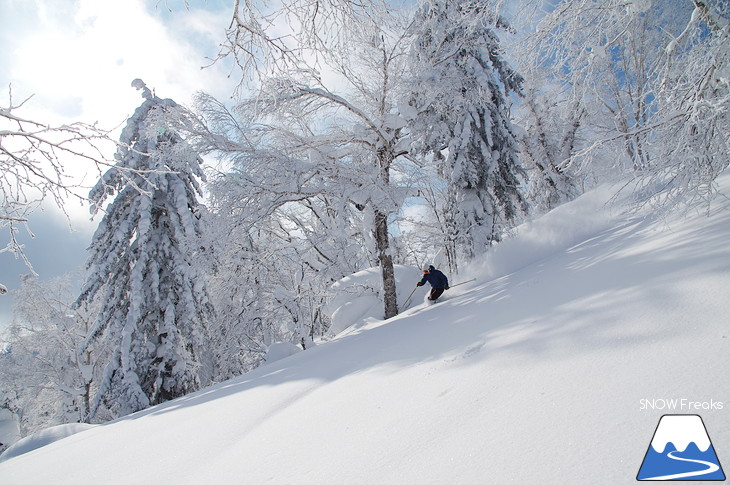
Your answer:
<point x="77" y="59"/>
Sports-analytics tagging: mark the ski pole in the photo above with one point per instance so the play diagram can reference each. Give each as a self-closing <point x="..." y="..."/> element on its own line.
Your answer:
<point x="409" y="297"/>
<point x="463" y="282"/>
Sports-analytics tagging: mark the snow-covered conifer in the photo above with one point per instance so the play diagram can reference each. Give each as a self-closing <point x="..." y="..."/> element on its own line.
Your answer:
<point x="462" y="98"/>
<point x="154" y="306"/>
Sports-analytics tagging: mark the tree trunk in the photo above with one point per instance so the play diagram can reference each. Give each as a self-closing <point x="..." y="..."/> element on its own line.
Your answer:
<point x="386" y="264"/>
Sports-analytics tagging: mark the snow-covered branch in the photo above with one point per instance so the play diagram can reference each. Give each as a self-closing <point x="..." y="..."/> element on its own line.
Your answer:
<point x="34" y="161"/>
<point x="44" y="162"/>
<point x="649" y="74"/>
<point x="263" y="40"/>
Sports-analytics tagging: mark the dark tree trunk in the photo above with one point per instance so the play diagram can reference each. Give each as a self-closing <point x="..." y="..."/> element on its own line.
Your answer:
<point x="386" y="264"/>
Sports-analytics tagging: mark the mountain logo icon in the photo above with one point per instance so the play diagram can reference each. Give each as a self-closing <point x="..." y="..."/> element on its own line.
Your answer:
<point x="681" y="450"/>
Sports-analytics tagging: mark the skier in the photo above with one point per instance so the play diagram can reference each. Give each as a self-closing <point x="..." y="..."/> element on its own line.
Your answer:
<point x="439" y="282"/>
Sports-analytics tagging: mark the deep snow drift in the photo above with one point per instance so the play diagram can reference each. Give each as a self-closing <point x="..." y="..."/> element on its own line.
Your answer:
<point x="553" y="368"/>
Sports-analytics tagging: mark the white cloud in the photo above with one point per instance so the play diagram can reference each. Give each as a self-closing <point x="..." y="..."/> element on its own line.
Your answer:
<point x="80" y="56"/>
<point x="78" y="59"/>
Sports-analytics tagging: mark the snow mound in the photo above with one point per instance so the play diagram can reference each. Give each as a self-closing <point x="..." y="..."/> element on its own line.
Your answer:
<point x="357" y="298"/>
<point x="280" y="350"/>
<point x="9" y="429"/>
<point x="43" y="438"/>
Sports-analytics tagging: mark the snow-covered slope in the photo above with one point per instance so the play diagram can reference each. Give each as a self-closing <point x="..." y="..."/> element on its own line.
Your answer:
<point x="541" y="372"/>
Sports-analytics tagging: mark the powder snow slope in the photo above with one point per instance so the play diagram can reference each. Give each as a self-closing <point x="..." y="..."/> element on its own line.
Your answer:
<point x="536" y="374"/>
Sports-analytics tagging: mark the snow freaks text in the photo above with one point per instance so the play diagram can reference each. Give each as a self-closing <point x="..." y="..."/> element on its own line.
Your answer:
<point x="680" y="404"/>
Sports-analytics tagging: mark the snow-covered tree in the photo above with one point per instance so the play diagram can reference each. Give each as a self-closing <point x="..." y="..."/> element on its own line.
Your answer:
<point x="154" y="306"/>
<point x="330" y="104"/>
<point x="551" y="123"/>
<point x="605" y="54"/>
<point x="462" y="85"/>
<point x="272" y="273"/>
<point x="286" y="228"/>
<point x="651" y="76"/>
<point x="693" y="97"/>
<point x="422" y="228"/>
<point x="44" y="380"/>
<point x="263" y="38"/>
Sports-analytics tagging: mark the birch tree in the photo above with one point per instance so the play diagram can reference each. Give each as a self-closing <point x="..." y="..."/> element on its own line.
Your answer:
<point x="657" y="96"/>
<point x="343" y="66"/>
<point x="551" y="121"/>
<point x="693" y="97"/>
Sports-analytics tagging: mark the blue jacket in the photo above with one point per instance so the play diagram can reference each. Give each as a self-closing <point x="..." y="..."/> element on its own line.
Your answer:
<point x="435" y="277"/>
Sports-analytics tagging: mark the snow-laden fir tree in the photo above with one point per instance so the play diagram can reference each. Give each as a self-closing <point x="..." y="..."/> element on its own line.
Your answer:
<point x="154" y="306"/>
<point x="462" y="98"/>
